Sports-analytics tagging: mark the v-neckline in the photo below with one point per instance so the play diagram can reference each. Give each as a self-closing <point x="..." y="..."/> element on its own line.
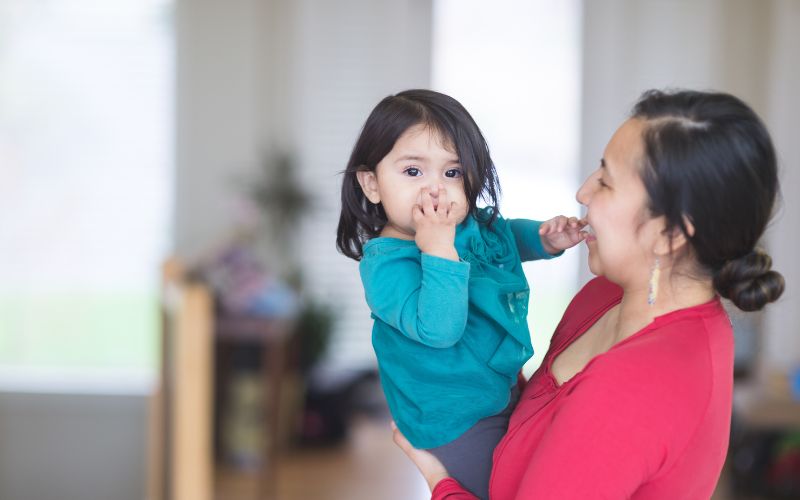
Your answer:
<point x="580" y="331"/>
<point x="590" y="321"/>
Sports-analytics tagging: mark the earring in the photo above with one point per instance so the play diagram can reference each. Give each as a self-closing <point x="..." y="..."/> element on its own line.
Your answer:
<point x="655" y="274"/>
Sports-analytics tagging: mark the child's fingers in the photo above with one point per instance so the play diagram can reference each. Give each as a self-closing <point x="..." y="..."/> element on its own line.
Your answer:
<point x="416" y="213"/>
<point x="558" y="222"/>
<point x="427" y="201"/>
<point x="444" y="206"/>
<point x="577" y="223"/>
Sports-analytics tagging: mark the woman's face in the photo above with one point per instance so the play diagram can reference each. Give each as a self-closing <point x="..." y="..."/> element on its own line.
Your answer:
<point x="623" y="235"/>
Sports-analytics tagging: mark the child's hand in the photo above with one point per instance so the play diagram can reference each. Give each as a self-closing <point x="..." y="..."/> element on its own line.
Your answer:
<point x="560" y="233"/>
<point x="435" y="225"/>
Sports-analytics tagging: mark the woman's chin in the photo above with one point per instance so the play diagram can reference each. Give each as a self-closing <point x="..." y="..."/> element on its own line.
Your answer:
<point x="594" y="267"/>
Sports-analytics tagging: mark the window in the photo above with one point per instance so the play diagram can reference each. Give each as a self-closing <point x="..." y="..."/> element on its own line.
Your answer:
<point x="85" y="188"/>
<point x="516" y="67"/>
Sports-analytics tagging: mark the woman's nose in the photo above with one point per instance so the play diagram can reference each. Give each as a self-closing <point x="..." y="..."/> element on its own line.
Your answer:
<point x="583" y="195"/>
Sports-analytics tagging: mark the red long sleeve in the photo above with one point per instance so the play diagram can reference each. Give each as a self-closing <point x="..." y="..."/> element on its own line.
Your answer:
<point x="449" y="489"/>
<point x="649" y="419"/>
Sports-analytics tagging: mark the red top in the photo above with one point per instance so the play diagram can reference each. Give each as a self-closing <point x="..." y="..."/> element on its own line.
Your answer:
<point x="648" y="419"/>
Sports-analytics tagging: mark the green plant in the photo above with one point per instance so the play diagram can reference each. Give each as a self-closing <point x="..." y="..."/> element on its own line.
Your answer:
<point x="312" y="333"/>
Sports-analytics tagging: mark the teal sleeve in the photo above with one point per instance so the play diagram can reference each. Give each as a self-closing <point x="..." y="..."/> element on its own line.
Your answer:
<point x="529" y="243"/>
<point x="424" y="297"/>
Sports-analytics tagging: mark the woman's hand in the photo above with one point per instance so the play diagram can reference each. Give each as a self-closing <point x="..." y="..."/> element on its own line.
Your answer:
<point x="431" y="468"/>
<point x="560" y="233"/>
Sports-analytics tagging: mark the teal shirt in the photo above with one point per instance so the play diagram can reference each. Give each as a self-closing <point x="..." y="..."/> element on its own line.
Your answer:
<point x="450" y="337"/>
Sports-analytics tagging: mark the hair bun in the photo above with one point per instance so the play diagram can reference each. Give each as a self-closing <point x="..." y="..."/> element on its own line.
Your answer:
<point x="749" y="281"/>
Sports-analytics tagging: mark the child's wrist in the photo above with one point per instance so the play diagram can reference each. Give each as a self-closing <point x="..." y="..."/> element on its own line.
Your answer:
<point x="443" y="252"/>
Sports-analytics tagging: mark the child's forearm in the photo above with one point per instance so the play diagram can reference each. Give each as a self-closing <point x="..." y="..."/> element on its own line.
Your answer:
<point x="443" y="251"/>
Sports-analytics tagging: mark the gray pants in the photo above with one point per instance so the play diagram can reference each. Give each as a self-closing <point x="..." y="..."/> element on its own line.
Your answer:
<point x="468" y="459"/>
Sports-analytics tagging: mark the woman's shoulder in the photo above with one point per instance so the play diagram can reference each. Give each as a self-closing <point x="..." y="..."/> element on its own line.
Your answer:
<point x="688" y="339"/>
<point x="674" y="362"/>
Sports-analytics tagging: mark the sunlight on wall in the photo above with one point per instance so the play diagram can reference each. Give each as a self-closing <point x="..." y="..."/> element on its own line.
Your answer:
<point x="516" y="67"/>
<point x="85" y="181"/>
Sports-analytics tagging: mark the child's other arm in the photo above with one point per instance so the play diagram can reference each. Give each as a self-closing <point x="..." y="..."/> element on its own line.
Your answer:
<point x="548" y="239"/>
<point x="425" y="297"/>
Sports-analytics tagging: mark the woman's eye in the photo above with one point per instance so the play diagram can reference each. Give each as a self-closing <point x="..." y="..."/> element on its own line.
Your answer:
<point x="412" y="171"/>
<point x="453" y="173"/>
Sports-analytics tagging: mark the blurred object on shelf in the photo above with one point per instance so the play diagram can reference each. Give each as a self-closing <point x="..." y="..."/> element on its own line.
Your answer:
<point x="765" y="439"/>
<point x="241" y="428"/>
<point x="243" y="286"/>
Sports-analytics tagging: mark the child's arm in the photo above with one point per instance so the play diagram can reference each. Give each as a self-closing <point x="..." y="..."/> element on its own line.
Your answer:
<point x="423" y="296"/>
<point x="548" y="239"/>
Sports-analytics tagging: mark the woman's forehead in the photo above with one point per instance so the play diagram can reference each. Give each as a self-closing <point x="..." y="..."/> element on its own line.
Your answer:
<point x="625" y="148"/>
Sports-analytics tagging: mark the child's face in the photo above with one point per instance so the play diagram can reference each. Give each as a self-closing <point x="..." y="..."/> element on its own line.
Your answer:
<point x="419" y="159"/>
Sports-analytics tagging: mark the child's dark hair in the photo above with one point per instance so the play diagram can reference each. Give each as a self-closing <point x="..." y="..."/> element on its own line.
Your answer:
<point x="362" y="220"/>
<point x="709" y="160"/>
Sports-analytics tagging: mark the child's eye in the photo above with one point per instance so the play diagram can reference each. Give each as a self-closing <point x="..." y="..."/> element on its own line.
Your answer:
<point x="412" y="172"/>
<point x="454" y="173"/>
<point x="601" y="182"/>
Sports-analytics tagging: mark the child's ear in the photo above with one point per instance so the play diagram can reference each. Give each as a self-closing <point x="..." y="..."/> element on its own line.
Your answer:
<point x="369" y="184"/>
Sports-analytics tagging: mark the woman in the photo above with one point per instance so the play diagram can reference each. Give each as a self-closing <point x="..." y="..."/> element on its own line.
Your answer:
<point x="633" y="398"/>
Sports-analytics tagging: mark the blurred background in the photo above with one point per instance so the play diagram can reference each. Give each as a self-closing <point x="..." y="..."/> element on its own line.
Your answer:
<point x="175" y="321"/>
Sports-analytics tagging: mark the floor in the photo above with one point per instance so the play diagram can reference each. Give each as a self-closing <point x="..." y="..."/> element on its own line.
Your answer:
<point x="366" y="467"/>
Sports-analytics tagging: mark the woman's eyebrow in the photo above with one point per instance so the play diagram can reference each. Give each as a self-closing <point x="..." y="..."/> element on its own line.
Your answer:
<point x="604" y="166"/>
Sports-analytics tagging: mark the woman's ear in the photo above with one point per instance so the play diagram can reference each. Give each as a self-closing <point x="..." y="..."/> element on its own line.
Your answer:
<point x="369" y="184"/>
<point x="678" y="240"/>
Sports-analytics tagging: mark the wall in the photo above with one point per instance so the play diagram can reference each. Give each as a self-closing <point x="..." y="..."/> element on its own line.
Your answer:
<point x="744" y="47"/>
<point x="782" y="342"/>
<point x="298" y="76"/>
<point x="72" y="447"/>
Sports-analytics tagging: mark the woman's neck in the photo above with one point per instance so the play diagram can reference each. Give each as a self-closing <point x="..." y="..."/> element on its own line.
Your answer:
<point x="674" y="293"/>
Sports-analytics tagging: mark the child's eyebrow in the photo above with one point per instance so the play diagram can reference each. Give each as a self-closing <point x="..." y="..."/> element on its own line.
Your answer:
<point x="413" y="157"/>
<point x="410" y="157"/>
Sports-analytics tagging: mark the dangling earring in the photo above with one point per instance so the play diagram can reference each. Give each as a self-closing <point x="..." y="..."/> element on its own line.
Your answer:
<point x="655" y="273"/>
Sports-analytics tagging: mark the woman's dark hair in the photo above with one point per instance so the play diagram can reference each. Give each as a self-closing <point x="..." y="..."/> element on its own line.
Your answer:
<point x="709" y="160"/>
<point x="362" y="220"/>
